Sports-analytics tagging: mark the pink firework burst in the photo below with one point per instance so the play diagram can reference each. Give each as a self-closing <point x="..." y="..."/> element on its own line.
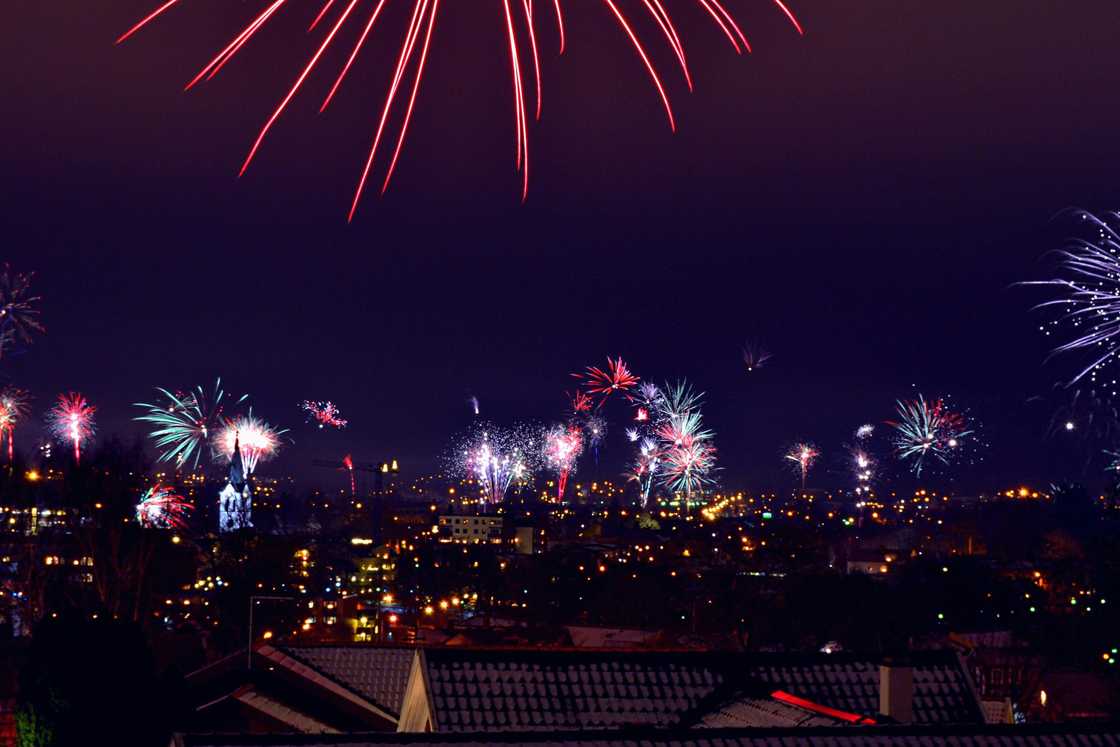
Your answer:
<point x="605" y="382"/>
<point x="562" y="447"/>
<point x="71" y="421"/>
<point x="163" y="508"/>
<point x="14" y="403"/>
<point x="323" y="413"/>
<point x="255" y="439"/>
<point x="520" y="19"/>
<point x="803" y="456"/>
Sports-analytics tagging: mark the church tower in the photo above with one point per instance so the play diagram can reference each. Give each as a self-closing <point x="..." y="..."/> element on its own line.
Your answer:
<point x="235" y="502"/>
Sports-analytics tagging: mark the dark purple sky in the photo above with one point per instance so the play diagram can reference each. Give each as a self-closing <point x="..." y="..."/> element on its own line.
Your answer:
<point x="860" y="198"/>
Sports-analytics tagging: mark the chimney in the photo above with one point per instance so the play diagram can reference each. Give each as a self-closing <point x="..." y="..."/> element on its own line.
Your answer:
<point x="896" y="690"/>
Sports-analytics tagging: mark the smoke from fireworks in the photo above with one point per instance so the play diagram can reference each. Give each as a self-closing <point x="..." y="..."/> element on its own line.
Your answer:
<point x="71" y="421"/>
<point x="19" y="315"/>
<point x="257" y="440"/>
<point x="162" y="508"/>
<point x="803" y="456"/>
<point x="14" y="404"/>
<point x="323" y="413"/>
<point x="927" y="430"/>
<point x="520" y="24"/>
<point x="184" y="422"/>
<point x="562" y="447"/>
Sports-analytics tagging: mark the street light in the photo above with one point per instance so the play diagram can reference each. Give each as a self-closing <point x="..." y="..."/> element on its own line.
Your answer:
<point x="254" y="600"/>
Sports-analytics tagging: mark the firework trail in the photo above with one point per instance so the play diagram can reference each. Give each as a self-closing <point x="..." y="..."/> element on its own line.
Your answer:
<point x="1088" y="285"/>
<point x="183" y="423"/>
<point x="71" y="421"/>
<point x="162" y="508"/>
<point x="348" y="465"/>
<point x="803" y="456"/>
<point x="520" y="21"/>
<point x="258" y="440"/>
<point x="497" y="458"/>
<point x="755" y="356"/>
<point x="562" y="446"/>
<point x="863" y="468"/>
<point x="14" y="405"/>
<point x="927" y="430"/>
<point x="19" y="315"/>
<point x="644" y="470"/>
<point x="323" y="413"/>
<point x="605" y="382"/>
<point x="473" y="402"/>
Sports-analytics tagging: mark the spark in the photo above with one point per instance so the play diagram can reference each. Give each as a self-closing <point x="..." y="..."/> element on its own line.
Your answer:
<point x="71" y="421"/>
<point x="14" y="405"/>
<point x="258" y="440"/>
<point x="519" y="21"/>
<point x="497" y="458"/>
<point x="927" y="430"/>
<point x="183" y="423"/>
<point x="1088" y="286"/>
<point x="323" y="413"/>
<point x="803" y="456"/>
<point x="755" y="356"/>
<point x="616" y="377"/>
<point x="19" y="313"/>
<point x="562" y="447"/>
<point x="162" y="508"/>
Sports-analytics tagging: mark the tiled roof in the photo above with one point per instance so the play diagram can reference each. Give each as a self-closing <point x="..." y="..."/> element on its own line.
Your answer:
<point x="942" y="691"/>
<point x="475" y="690"/>
<point x="762" y="712"/>
<point x="548" y="690"/>
<point x="379" y="674"/>
<point x="1059" y="735"/>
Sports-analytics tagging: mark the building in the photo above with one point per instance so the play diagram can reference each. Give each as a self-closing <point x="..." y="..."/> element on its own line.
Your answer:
<point x="235" y="502"/>
<point x="470" y="529"/>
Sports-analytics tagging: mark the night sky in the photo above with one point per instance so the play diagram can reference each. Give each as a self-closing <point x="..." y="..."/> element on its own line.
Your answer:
<point x="860" y="199"/>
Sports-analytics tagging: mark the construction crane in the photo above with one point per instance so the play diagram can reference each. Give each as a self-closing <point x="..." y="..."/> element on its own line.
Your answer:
<point x="348" y="465"/>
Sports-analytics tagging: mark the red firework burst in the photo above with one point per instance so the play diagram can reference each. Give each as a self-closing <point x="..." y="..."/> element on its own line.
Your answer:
<point x="520" y="22"/>
<point x="581" y="402"/>
<point x="616" y="378"/>
<point x="163" y="508"/>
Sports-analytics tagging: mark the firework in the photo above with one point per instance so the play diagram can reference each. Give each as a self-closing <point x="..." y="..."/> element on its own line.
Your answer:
<point x="162" y="508"/>
<point x="323" y="413"/>
<point x="581" y="403"/>
<point x="755" y="356"/>
<point x="520" y="24"/>
<point x="927" y="430"/>
<point x="803" y="456"/>
<point x="686" y="454"/>
<point x="348" y="465"/>
<point x="562" y="447"/>
<point x="71" y="421"/>
<point x="1088" y="285"/>
<point x="633" y="434"/>
<point x="644" y="470"/>
<point x="1087" y="416"/>
<point x="863" y="468"/>
<point x="472" y="402"/>
<point x="19" y="315"/>
<point x="865" y="431"/>
<point x="678" y="399"/>
<point x="14" y="404"/>
<point x="615" y="378"/>
<point x="258" y="440"/>
<point x="497" y="458"/>
<point x="183" y="423"/>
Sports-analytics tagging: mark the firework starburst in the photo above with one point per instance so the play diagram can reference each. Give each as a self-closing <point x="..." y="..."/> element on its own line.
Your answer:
<point x="927" y="430"/>
<point x="71" y="421"/>
<point x="183" y="423"/>
<point x="162" y="508"/>
<point x="19" y="312"/>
